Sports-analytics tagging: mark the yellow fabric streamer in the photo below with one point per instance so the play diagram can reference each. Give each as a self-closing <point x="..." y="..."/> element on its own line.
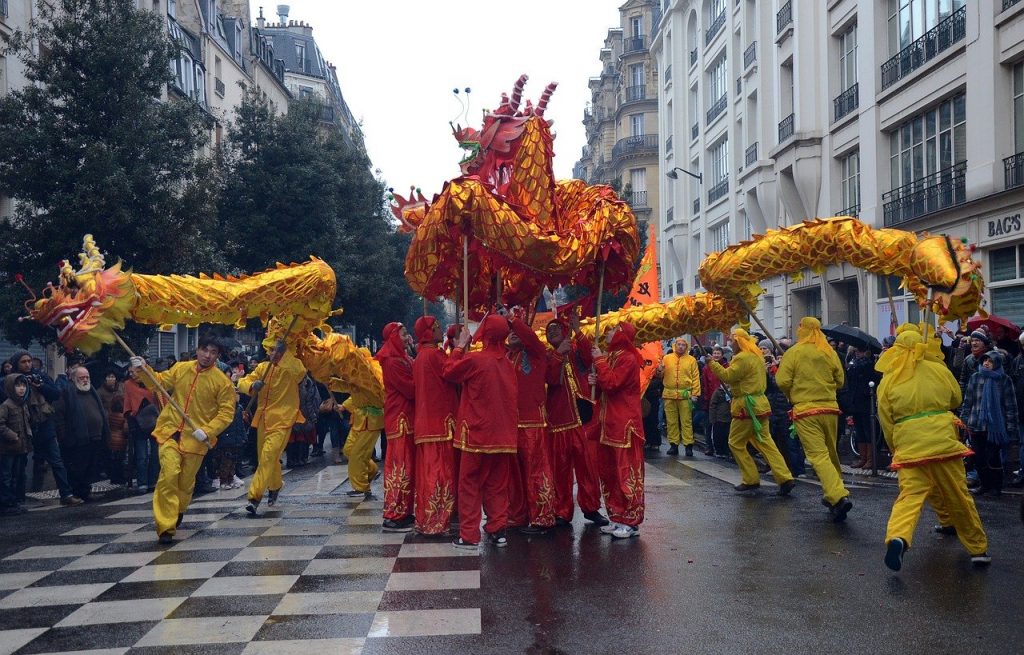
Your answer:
<point x="810" y="332"/>
<point x="901" y="360"/>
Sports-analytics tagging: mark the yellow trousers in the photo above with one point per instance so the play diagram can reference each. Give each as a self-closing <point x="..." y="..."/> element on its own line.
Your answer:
<point x="945" y="486"/>
<point x="270" y="444"/>
<point x="818" y="436"/>
<point x="174" y="487"/>
<point x="359" y="450"/>
<point x="741" y="433"/>
<point x="679" y="420"/>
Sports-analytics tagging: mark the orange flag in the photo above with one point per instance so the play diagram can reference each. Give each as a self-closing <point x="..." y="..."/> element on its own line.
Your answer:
<point x="644" y="292"/>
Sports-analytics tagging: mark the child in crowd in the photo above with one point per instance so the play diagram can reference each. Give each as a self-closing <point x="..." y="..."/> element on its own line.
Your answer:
<point x="15" y="444"/>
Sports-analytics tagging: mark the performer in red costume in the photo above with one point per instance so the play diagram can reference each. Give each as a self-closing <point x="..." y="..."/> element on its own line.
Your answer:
<point x="620" y="458"/>
<point x="532" y="492"/>
<point x="399" y="408"/>
<point x="436" y="404"/>
<point x="485" y="432"/>
<point x="567" y="388"/>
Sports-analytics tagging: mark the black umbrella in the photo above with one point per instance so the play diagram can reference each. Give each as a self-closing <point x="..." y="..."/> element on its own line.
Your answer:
<point x="853" y="336"/>
<point x="230" y="344"/>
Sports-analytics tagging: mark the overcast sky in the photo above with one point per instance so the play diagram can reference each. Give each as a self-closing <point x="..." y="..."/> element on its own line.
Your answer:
<point x="398" y="62"/>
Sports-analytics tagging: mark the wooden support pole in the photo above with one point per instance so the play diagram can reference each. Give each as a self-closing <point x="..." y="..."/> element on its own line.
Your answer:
<point x="159" y="387"/>
<point x="761" y="325"/>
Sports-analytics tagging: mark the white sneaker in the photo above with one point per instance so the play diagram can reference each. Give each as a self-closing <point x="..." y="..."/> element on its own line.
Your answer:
<point x="610" y="528"/>
<point x="215" y="484"/>
<point x="625" y="532"/>
<point x="238" y="482"/>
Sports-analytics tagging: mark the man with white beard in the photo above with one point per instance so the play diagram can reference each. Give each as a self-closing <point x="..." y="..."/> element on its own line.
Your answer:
<point x="82" y="430"/>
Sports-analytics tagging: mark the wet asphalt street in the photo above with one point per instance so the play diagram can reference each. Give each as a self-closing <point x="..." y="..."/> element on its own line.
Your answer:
<point x="712" y="572"/>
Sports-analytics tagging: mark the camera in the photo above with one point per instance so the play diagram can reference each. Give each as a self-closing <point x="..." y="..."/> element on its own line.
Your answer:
<point x="34" y="378"/>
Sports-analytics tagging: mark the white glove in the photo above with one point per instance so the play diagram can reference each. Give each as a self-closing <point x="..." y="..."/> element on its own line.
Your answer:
<point x="137" y="362"/>
<point x="199" y="436"/>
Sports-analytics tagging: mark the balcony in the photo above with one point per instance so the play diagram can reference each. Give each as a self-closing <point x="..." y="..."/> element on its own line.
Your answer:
<point x="636" y="199"/>
<point x="609" y="70"/>
<point x="920" y="52"/>
<point x="634" y="44"/>
<point x="717" y="109"/>
<point x="668" y="73"/>
<point x="694" y="131"/>
<point x="750" y="55"/>
<point x="715" y="27"/>
<point x="1009" y="3"/>
<point x="784" y="17"/>
<point x="668" y="144"/>
<point x="327" y="113"/>
<point x="750" y="156"/>
<point x="1013" y="167"/>
<point x="636" y="93"/>
<point x="718" y="191"/>
<point x="693" y="57"/>
<point x="218" y="87"/>
<point x="852" y="210"/>
<point x="786" y="128"/>
<point x="847" y="101"/>
<point x="942" y="189"/>
<point x="636" y="145"/>
<point x="696" y="206"/>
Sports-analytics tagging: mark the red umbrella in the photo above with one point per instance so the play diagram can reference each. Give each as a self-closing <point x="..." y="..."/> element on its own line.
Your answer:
<point x="1000" y="328"/>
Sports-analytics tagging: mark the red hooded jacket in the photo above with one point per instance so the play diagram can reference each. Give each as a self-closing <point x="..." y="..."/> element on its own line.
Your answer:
<point x="531" y="364"/>
<point x="618" y="378"/>
<point x="436" y="399"/>
<point x="399" y="388"/>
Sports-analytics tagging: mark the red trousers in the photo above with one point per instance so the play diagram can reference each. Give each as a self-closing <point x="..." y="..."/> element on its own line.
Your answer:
<point x="532" y="491"/>
<point x="572" y="452"/>
<point x="399" y="468"/>
<point x="483" y="481"/>
<point x="622" y="482"/>
<point x="435" y="486"/>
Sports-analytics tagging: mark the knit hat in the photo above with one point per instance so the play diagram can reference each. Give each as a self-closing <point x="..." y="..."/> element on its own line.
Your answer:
<point x="982" y="336"/>
<point x="764" y="344"/>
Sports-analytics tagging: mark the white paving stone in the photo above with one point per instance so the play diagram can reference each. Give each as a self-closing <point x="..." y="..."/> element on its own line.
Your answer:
<point x="63" y="550"/>
<point x="434" y="580"/>
<point x="122" y="611"/>
<point x="211" y="630"/>
<point x="425" y="623"/>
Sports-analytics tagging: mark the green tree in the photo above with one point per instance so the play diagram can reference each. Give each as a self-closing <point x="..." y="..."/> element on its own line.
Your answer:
<point x="87" y="147"/>
<point x="292" y="188"/>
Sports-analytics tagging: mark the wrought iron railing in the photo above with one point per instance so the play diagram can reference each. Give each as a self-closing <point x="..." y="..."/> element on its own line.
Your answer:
<point x="634" y="44"/>
<point x="668" y="73"/>
<point x="218" y="86"/>
<point x="637" y="198"/>
<point x="750" y="55"/>
<point x="668" y="143"/>
<point x="718" y="191"/>
<point x="634" y="93"/>
<point x="693" y="56"/>
<point x="715" y="27"/>
<point x="931" y="193"/>
<point x="717" y="109"/>
<point x="923" y="50"/>
<point x="846" y="101"/>
<point x="1013" y="167"/>
<point x="852" y="210"/>
<point x="784" y="17"/>
<point x="632" y="145"/>
<point x="750" y="156"/>
<point x="1009" y="3"/>
<point x="4" y="9"/>
<point x="694" y="131"/>
<point x="786" y="127"/>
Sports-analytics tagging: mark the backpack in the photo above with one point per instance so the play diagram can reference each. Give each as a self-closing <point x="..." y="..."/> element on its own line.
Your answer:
<point x="146" y="418"/>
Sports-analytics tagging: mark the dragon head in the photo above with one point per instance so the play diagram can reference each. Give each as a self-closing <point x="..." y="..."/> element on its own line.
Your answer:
<point x="947" y="266"/>
<point x="86" y="305"/>
<point x="490" y="150"/>
<point x="410" y="213"/>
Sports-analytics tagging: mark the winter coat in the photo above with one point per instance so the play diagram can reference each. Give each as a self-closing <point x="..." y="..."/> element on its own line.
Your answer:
<point x="859" y="374"/>
<point x="718" y="410"/>
<point x="15" y="421"/>
<point x="71" y="425"/>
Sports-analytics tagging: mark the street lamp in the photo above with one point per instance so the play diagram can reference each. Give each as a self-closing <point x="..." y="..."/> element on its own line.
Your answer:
<point x="673" y="175"/>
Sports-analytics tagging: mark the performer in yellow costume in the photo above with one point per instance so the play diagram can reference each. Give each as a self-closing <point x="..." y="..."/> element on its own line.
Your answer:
<point x="367" y="422"/>
<point x="681" y="378"/>
<point x="276" y="385"/>
<point x="747" y="378"/>
<point x="208" y="399"/>
<point x="809" y="375"/>
<point x="916" y="400"/>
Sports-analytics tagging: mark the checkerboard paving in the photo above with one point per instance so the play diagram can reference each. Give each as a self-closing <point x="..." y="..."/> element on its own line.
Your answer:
<point x="312" y="574"/>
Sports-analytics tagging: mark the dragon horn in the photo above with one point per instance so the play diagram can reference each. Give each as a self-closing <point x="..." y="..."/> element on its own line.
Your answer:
<point x="517" y="92"/>
<point x="542" y="104"/>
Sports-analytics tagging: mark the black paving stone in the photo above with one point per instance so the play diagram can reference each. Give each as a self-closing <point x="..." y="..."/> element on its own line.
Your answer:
<point x="207" y="532"/>
<point x="43" y="616"/>
<point x="155" y="589"/>
<point x="273" y="567"/>
<point x="258" y="605"/>
<point x="193" y="556"/>
<point x="43" y="564"/>
<point x="132" y="547"/>
<point x="336" y="552"/>
<point x="444" y="645"/>
<point x="294" y="540"/>
<point x="191" y="649"/>
<point x="86" y="576"/>
<point x="351" y="582"/>
<point x="318" y="626"/>
<point x="87" y="637"/>
<point x="430" y="600"/>
<point x="431" y="564"/>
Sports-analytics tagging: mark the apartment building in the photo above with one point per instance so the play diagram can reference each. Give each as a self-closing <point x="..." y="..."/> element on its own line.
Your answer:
<point x="622" y="118"/>
<point x="797" y="109"/>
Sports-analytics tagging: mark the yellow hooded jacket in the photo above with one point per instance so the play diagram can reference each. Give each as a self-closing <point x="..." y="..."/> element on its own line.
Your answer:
<point x="278" y="400"/>
<point x="681" y="377"/>
<point x="810" y="378"/>
<point x="207" y="398"/>
<point x="746" y="376"/>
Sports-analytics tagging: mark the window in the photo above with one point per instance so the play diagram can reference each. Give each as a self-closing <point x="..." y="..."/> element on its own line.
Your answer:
<point x="716" y="9"/>
<point x="720" y="236"/>
<point x="719" y="156"/>
<point x="300" y="55"/>
<point x="1018" y="107"/>
<point x="717" y="84"/>
<point x="1006" y="268"/>
<point x="851" y="181"/>
<point x="636" y="26"/>
<point x="636" y="125"/>
<point x="848" y="59"/>
<point x="172" y="8"/>
<point x="638" y="180"/>
<point x="910" y="19"/>
<point x="636" y="75"/>
<point x="929" y="142"/>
